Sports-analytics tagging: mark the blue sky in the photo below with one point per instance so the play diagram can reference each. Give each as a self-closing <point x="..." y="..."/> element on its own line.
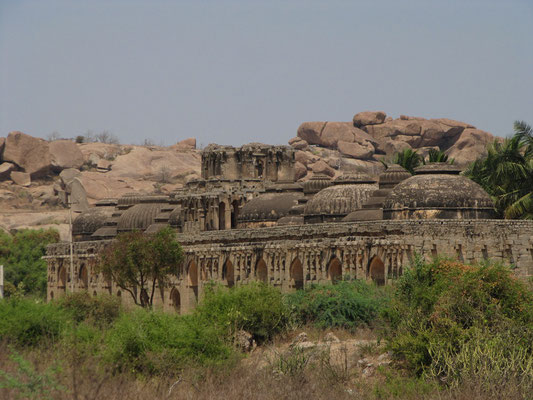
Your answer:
<point x="233" y="72"/>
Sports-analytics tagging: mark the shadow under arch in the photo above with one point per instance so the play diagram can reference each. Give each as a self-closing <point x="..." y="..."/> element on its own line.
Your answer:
<point x="376" y="270"/>
<point x="261" y="271"/>
<point x="297" y="273"/>
<point x="228" y="275"/>
<point x="335" y="270"/>
<point x="175" y="299"/>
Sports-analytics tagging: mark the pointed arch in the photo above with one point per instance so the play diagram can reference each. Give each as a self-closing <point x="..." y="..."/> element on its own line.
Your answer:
<point x="83" y="277"/>
<point x="376" y="270"/>
<point x="335" y="270"/>
<point x="228" y="274"/>
<point x="222" y="216"/>
<point x="261" y="271"/>
<point x="297" y="273"/>
<point x="62" y="278"/>
<point x="234" y="213"/>
<point x="192" y="278"/>
<point x="175" y="299"/>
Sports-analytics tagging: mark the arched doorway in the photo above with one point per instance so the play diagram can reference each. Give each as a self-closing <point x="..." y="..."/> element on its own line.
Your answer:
<point x="52" y="295"/>
<point x="62" y="278"/>
<point x="259" y="169"/>
<point x="175" y="299"/>
<point x="261" y="271"/>
<point x="376" y="271"/>
<point x="234" y="214"/>
<point x="83" y="278"/>
<point x="228" y="273"/>
<point x="335" y="270"/>
<point x="222" y="216"/>
<point x="297" y="274"/>
<point x="192" y="278"/>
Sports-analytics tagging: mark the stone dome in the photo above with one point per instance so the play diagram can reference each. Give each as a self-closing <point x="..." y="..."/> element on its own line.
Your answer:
<point x="89" y="222"/>
<point x="393" y="175"/>
<point x="140" y="217"/>
<point x="316" y="183"/>
<point x="268" y="207"/>
<point x="438" y="192"/>
<point x="333" y="203"/>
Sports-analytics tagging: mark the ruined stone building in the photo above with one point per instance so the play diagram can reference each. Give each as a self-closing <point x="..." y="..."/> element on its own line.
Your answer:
<point x="248" y="220"/>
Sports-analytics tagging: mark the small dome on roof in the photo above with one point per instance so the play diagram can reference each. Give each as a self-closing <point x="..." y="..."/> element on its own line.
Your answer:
<point x="316" y="183"/>
<point x="353" y="178"/>
<point x="140" y="217"/>
<point x="438" y="192"/>
<point x="393" y="175"/>
<point x="89" y="222"/>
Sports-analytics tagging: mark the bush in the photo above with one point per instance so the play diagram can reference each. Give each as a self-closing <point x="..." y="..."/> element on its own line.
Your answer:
<point x="153" y="342"/>
<point x="346" y="304"/>
<point x="27" y="322"/>
<point x="256" y="308"/>
<point x="453" y="321"/>
<point x="99" y="310"/>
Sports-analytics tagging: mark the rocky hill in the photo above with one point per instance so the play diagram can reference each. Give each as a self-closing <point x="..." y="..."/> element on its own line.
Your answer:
<point x="324" y="147"/>
<point x="35" y="174"/>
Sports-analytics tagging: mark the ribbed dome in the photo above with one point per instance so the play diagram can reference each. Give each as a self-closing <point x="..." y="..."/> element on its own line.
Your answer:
<point x="333" y="203"/>
<point x="269" y="207"/>
<point x="89" y="222"/>
<point x="316" y="183"/>
<point x="140" y="217"/>
<point x="438" y="195"/>
<point x="393" y="175"/>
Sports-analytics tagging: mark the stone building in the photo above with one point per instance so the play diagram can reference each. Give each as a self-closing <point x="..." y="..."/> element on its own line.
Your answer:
<point x="247" y="220"/>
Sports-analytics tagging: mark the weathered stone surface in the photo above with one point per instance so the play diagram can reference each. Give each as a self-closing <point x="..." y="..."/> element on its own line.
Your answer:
<point x="305" y="157"/>
<point x="453" y="123"/>
<point x="471" y="145"/>
<point x="299" y="144"/>
<point x="65" y="154"/>
<point x="21" y="178"/>
<point x="67" y="175"/>
<point x="321" y="167"/>
<point x="335" y="131"/>
<point x="186" y="144"/>
<point x="435" y="133"/>
<point x="5" y="170"/>
<point x="369" y="118"/>
<point x="356" y="150"/>
<point x="391" y="146"/>
<point x="29" y="153"/>
<point x="300" y="170"/>
<point x="104" y="165"/>
<point x="2" y="145"/>
<point x="294" y="140"/>
<point x="311" y="131"/>
<point x="78" y="196"/>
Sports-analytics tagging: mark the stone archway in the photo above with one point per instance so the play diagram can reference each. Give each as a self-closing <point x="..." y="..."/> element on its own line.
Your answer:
<point x="222" y="216"/>
<point x="62" y="278"/>
<point x="335" y="270"/>
<point x="297" y="274"/>
<point x="228" y="274"/>
<point x="192" y="278"/>
<point x="83" y="278"/>
<point x="175" y="300"/>
<point x="234" y="213"/>
<point x="261" y="271"/>
<point x="376" y="271"/>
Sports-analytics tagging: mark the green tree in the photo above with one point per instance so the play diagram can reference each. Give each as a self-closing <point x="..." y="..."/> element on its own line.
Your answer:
<point x="21" y="254"/>
<point x="407" y="158"/>
<point x="136" y="262"/>
<point x="506" y="173"/>
<point x="437" y="156"/>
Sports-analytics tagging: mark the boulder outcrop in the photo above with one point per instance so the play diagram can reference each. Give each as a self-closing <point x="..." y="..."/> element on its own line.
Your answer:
<point x="65" y="154"/>
<point x="29" y="153"/>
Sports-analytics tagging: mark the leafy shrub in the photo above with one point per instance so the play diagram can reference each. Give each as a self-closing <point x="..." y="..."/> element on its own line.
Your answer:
<point x="452" y="320"/>
<point x="153" y="342"/>
<point x="255" y="308"/>
<point x="26" y="322"/>
<point x="346" y="304"/>
<point x="21" y="255"/>
<point x="99" y="310"/>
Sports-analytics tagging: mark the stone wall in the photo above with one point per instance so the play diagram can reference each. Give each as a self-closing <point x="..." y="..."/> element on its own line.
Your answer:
<point x="291" y="257"/>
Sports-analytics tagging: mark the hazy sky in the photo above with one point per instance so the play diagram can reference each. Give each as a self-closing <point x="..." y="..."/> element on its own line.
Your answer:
<point x="233" y="72"/>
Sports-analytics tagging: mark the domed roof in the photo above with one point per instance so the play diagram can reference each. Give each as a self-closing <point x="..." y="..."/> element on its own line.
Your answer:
<point x="393" y="175"/>
<point x="316" y="183"/>
<point x="444" y="193"/>
<point x="269" y="206"/>
<point x="341" y="199"/>
<point x="437" y="168"/>
<point x="140" y="217"/>
<point x="89" y="221"/>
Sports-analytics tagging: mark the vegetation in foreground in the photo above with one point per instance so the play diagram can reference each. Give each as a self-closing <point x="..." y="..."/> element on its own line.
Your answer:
<point x="454" y="331"/>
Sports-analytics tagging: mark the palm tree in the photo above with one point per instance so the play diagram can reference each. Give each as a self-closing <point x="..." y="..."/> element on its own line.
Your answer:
<point x="506" y="173"/>
<point x="435" y="156"/>
<point x="408" y="159"/>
